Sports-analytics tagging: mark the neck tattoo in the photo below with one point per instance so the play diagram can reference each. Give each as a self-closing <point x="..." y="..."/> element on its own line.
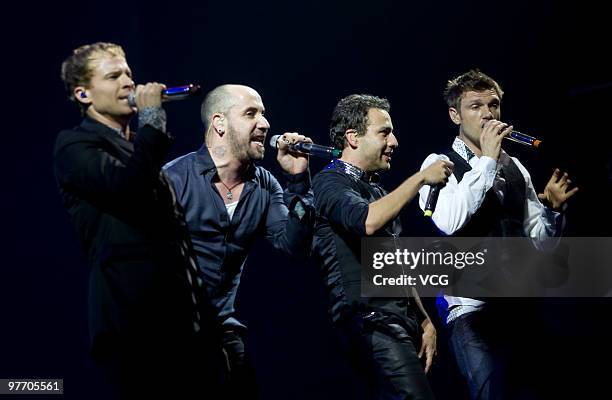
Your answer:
<point x="219" y="151"/>
<point x="229" y="194"/>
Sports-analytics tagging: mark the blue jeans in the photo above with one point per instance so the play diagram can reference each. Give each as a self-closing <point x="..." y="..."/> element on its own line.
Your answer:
<point x="478" y="352"/>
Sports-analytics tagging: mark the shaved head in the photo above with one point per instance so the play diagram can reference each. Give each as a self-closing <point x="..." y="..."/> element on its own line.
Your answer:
<point x="221" y="99"/>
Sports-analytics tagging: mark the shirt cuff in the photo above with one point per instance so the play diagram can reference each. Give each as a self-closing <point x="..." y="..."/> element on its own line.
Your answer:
<point x="554" y="220"/>
<point x="302" y="210"/>
<point x="551" y="214"/>
<point x="153" y="116"/>
<point x="298" y="183"/>
<point x="488" y="167"/>
<point x="486" y="164"/>
<point x="232" y="323"/>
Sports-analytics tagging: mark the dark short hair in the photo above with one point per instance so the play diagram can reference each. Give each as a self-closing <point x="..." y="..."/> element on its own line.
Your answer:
<point x="76" y="69"/>
<point x="473" y="80"/>
<point x="352" y="113"/>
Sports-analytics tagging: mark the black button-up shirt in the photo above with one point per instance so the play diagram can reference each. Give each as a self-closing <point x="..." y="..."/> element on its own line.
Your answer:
<point x="221" y="244"/>
<point x="343" y="194"/>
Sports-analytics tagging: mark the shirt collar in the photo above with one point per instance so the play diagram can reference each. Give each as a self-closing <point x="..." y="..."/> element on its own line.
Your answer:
<point x="468" y="155"/>
<point x="463" y="150"/>
<point x="353" y="171"/>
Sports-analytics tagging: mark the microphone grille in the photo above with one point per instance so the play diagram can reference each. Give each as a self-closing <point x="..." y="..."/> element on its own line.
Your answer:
<point x="132" y="99"/>
<point x="273" y="140"/>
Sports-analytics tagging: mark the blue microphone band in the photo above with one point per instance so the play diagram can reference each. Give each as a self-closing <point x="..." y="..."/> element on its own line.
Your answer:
<point x="172" y="93"/>
<point x="524" y="139"/>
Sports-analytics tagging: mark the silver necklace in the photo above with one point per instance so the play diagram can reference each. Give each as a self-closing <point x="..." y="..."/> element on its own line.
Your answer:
<point x="229" y="194"/>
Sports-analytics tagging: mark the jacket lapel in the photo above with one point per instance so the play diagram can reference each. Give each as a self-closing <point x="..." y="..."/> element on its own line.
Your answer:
<point x="122" y="148"/>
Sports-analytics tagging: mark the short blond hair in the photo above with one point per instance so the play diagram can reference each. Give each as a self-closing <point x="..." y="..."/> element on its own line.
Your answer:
<point x="77" y="69"/>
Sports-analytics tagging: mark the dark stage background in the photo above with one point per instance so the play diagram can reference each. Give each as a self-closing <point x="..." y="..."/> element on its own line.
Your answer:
<point x="302" y="57"/>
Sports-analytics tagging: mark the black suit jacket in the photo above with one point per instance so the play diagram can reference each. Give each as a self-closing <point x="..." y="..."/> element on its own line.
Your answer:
<point x="124" y="219"/>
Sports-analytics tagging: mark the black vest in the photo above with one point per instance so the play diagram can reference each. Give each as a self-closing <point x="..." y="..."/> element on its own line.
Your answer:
<point x="495" y="218"/>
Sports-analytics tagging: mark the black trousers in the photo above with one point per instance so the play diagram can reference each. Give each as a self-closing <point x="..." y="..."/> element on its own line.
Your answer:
<point x="240" y="382"/>
<point x="185" y="369"/>
<point x="384" y="354"/>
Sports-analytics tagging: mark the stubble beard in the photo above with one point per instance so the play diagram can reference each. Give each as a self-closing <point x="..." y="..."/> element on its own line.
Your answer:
<point x="242" y="152"/>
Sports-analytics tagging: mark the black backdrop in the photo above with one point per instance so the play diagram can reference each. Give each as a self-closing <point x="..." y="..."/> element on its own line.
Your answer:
<point x="302" y="57"/>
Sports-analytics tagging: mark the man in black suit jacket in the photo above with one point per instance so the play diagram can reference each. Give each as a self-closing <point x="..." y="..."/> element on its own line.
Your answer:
<point x="144" y="321"/>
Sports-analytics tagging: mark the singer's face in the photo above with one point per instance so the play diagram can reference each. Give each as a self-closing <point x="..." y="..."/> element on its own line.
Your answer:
<point x="379" y="142"/>
<point x="476" y="109"/>
<point x="108" y="89"/>
<point x="247" y="125"/>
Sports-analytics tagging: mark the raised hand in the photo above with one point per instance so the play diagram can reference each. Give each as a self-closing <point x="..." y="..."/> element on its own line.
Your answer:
<point x="556" y="191"/>
<point x="149" y="95"/>
<point x="293" y="162"/>
<point x="438" y="172"/>
<point x="493" y="132"/>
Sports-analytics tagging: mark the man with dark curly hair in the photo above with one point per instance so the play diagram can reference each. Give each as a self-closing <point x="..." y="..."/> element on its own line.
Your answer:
<point x="385" y="336"/>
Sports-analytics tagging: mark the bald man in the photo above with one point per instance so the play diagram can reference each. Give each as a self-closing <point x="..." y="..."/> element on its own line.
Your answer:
<point x="229" y="201"/>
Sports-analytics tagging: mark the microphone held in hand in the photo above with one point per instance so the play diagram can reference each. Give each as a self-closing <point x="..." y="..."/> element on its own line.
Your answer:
<point x="432" y="199"/>
<point x="171" y="93"/>
<point x="309" y="148"/>
<point x="523" y="139"/>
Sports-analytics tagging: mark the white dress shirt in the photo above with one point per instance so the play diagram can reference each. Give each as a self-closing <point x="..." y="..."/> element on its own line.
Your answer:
<point x="458" y="201"/>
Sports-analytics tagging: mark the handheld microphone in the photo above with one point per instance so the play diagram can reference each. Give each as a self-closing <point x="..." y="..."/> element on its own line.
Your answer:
<point x="523" y="139"/>
<point x="171" y="93"/>
<point x="432" y="199"/>
<point x="309" y="148"/>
